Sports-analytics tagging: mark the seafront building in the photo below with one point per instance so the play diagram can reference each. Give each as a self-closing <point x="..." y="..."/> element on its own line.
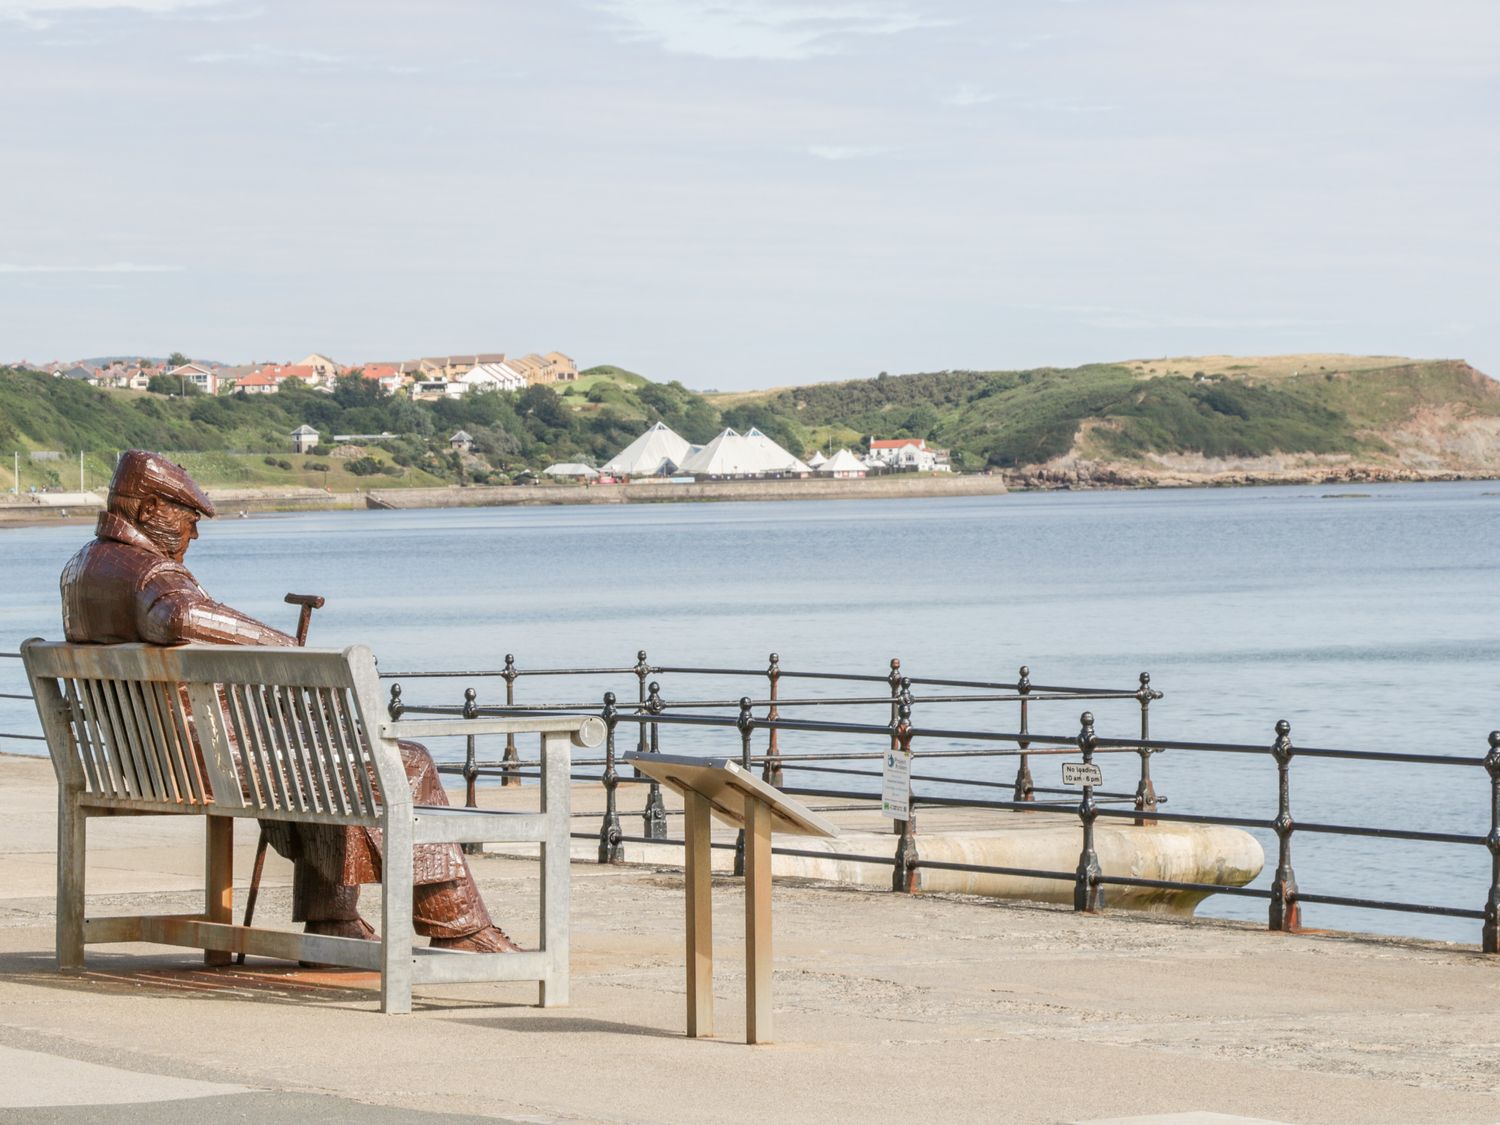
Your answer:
<point x="751" y="454"/>
<point x="660" y="451"/>
<point x="907" y="454"/>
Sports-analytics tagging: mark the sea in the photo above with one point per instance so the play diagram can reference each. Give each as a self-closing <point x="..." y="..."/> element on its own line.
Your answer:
<point x="1366" y="616"/>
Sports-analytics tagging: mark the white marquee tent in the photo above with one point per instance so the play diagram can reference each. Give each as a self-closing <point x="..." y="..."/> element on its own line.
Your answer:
<point x="658" y="450"/>
<point x="750" y="454"/>
<point x="843" y="464"/>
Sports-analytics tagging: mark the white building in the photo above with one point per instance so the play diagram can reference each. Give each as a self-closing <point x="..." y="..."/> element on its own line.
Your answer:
<point x="907" y="455"/>
<point x="657" y="452"/>
<point x="492" y="377"/>
<point x="751" y="454"/>
<point x="570" y="470"/>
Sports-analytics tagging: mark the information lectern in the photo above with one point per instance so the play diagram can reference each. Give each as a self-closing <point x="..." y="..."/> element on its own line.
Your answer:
<point x="720" y="787"/>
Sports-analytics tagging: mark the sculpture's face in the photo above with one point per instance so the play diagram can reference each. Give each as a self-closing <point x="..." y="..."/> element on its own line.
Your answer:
<point x="170" y="526"/>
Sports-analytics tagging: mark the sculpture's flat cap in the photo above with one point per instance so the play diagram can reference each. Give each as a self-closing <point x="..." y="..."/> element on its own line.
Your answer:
<point x="141" y="474"/>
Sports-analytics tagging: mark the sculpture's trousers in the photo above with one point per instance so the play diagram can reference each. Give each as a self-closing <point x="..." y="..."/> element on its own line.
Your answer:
<point x="333" y="862"/>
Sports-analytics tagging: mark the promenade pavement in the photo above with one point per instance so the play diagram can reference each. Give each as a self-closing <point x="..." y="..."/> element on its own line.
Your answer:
<point x="889" y="1008"/>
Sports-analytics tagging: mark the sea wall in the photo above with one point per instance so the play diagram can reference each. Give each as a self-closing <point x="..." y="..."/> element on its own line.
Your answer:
<point x="867" y="489"/>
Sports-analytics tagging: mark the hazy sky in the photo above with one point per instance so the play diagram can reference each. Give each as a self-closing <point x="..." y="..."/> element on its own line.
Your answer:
<point x="742" y="193"/>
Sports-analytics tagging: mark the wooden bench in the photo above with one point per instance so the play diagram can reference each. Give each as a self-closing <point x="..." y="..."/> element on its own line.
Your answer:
<point x="280" y="734"/>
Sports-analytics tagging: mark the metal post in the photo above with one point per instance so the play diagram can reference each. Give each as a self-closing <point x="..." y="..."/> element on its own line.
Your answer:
<point x="642" y="670"/>
<point x="1025" y="790"/>
<point x="1088" y="895"/>
<point x="471" y="764"/>
<point x="611" y="850"/>
<point x="1145" y="790"/>
<point x="654" y="815"/>
<point x="1286" y="915"/>
<point x="1491" y="943"/>
<point x="893" y="677"/>
<point x="746" y="723"/>
<point x="508" y="777"/>
<point x="904" y="875"/>
<point x="771" y="770"/>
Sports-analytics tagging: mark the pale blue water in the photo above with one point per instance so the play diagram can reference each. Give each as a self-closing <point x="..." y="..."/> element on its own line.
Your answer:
<point x="1370" y="623"/>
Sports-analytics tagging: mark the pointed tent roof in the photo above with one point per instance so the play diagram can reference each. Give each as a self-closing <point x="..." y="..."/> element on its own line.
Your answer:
<point x="817" y="459"/>
<point x="732" y="454"/>
<point x="570" y="469"/>
<point x="842" y="462"/>
<point x="657" y="450"/>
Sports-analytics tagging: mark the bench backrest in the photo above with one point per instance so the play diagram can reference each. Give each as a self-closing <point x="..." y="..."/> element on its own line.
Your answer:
<point x="277" y="733"/>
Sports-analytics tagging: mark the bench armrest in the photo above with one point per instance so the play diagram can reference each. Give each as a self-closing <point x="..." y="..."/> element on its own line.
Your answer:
<point x="585" y="730"/>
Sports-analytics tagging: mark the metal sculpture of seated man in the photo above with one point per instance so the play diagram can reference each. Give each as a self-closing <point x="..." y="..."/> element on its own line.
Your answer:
<point x="130" y="584"/>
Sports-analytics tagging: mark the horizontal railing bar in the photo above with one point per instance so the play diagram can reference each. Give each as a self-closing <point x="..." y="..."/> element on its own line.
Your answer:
<point x="1388" y="833"/>
<point x="982" y="869"/>
<point x="1299" y="752"/>
<point x="12" y="695"/>
<point x="25" y="737"/>
<point x="1381" y="904"/>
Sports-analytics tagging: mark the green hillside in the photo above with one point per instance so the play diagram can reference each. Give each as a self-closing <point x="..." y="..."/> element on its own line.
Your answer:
<point x="1377" y="410"/>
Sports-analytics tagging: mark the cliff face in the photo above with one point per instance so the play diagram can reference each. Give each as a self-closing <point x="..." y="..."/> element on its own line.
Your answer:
<point x="1381" y="419"/>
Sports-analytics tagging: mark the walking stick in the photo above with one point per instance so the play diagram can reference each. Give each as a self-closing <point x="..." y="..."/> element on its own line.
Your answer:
<point x="308" y="602"/>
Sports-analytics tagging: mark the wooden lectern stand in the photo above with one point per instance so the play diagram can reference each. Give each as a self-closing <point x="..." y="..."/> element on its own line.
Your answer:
<point x="720" y="787"/>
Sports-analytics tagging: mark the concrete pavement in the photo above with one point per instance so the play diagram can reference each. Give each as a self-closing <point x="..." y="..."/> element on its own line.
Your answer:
<point x="888" y="1009"/>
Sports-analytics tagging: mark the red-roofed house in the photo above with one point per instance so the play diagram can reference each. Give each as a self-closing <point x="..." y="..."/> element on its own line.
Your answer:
<point x="268" y="380"/>
<point x="388" y="375"/>
<point x="908" y="455"/>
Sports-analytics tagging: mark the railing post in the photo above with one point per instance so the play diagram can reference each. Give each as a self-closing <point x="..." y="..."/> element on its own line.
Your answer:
<point x="1145" y="790"/>
<point x="746" y="723"/>
<point x="611" y="850"/>
<point x="1025" y="789"/>
<point x="395" y="708"/>
<point x="1088" y="895"/>
<point x="904" y="875"/>
<point x="894" y="678"/>
<point x="1286" y="915"/>
<point x="1491" y="942"/>
<point x="471" y="764"/>
<point x="654" y="815"/>
<point x="511" y="754"/>
<point x="771" y="770"/>
<point x="642" y="670"/>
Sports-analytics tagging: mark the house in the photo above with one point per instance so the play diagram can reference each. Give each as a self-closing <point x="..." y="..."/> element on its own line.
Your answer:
<point x="492" y="377"/>
<point x="304" y="439"/>
<point x="206" y="379"/>
<point x="437" y="388"/>
<point x="450" y="367"/>
<point x="79" y="374"/>
<point x="267" y="380"/>
<point x="326" y="368"/>
<point x="463" y="441"/>
<point x="388" y="375"/>
<point x="911" y="455"/>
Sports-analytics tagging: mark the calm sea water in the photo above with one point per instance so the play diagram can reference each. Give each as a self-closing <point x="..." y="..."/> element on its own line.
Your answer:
<point x="1368" y="621"/>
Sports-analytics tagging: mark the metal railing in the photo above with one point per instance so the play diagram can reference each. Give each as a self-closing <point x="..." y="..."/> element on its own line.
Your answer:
<point x="652" y="711"/>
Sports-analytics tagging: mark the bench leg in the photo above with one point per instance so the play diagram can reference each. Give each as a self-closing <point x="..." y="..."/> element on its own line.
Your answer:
<point x="557" y="859"/>
<point x="395" y="916"/>
<point x="218" y="879"/>
<point x="71" y="842"/>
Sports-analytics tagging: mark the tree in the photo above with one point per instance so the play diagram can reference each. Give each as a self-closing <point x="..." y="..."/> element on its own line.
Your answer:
<point x="172" y="385"/>
<point x="177" y="359"/>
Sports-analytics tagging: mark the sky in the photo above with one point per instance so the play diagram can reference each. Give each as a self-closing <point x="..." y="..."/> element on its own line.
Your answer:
<point x="750" y="193"/>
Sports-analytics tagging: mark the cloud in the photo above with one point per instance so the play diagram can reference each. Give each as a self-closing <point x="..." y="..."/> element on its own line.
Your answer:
<point x="759" y="29"/>
<point x="845" y="152"/>
<point x="111" y="267"/>
<point x="262" y="55"/>
<point x="969" y="94"/>
<point x="43" y="13"/>
<point x="1143" y="320"/>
